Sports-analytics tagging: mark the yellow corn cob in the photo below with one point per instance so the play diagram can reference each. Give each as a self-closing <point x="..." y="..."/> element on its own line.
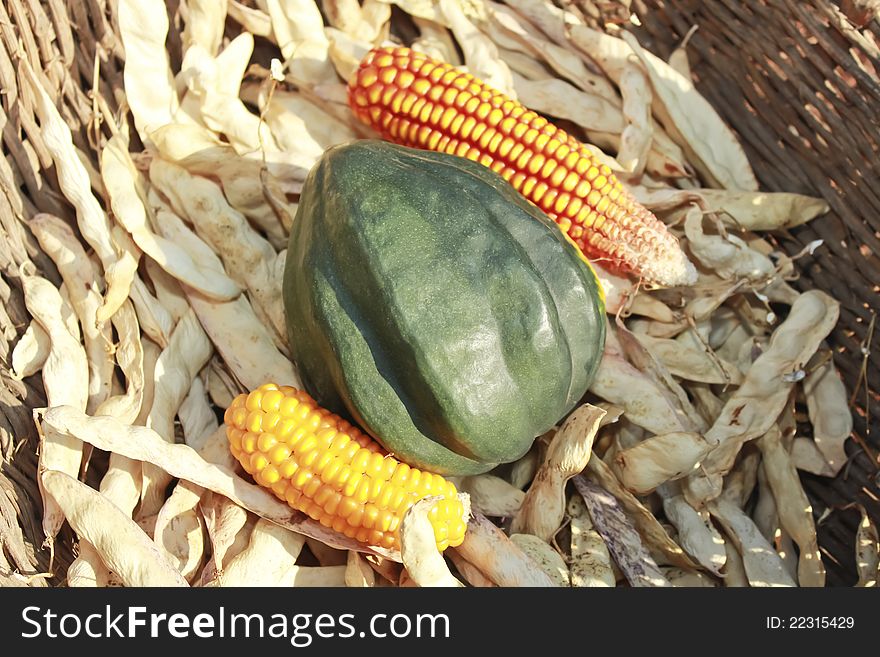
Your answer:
<point x="331" y="471"/>
<point x="420" y="102"/>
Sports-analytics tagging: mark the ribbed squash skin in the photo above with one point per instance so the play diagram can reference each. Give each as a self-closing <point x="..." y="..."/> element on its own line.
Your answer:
<point x="431" y="304"/>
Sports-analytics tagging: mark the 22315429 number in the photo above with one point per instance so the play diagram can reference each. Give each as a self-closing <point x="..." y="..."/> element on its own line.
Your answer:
<point x="810" y="622"/>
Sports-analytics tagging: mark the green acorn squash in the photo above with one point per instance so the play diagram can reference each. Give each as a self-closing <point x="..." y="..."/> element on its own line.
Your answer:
<point x="437" y="309"/>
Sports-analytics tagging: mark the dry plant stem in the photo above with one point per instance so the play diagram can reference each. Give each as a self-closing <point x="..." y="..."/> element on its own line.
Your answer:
<point x="543" y="508"/>
<point x="492" y="552"/>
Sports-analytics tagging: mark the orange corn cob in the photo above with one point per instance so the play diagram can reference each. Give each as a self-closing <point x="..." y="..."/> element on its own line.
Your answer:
<point x="420" y="102"/>
<point x="323" y="466"/>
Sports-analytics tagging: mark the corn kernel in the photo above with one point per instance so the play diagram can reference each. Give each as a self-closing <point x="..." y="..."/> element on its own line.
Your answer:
<point x="468" y="109"/>
<point x="337" y="475"/>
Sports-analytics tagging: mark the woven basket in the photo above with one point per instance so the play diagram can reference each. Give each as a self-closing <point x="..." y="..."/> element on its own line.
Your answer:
<point x="60" y="40"/>
<point x="797" y="80"/>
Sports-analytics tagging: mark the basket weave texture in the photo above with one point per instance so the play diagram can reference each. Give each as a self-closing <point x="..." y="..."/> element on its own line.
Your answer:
<point x="796" y="79"/>
<point x="799" y="82"/>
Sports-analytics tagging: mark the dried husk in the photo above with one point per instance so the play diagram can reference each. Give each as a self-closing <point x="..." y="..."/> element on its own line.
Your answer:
<point x="623" y="541"/>
<point x="144" y="444"/>
<point x="418" y="547"/>
<point x="652" y="532"/>
<point x="696" y="533"/>
<point x="590" y="562"/>
<point x="543" y="508"/>
<point x="268" y="560"/>
<point x="31" y="351"/>
<point x="149" y="84"/>
<point x="187" y="352"/>
<point x="755" y="405"/>
<point x="61" y="244"/>
<point x="695" y="125"/>
<point x="636" y="138"/>
<point x="794" y="509"/>
<point x="122" y="545"/>
<point x="548" y="559"/>
<point x="659" y="459"/>
<point x="762" y="565"/>
<point x="73" y="180"/>
<point x="358" y="573"/>
<point x="65" y="377"/>
<point x="125" y="187"/>
<point x="867" y="552"/>
<point x="497" y="557"/>
<point x="829" y="413"/>
<point x="491" y="495"/>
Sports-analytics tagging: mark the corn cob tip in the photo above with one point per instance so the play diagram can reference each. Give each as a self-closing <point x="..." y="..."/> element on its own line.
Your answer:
<point x="672" y="268"/>
<point x="323" y="466"/>
<point x="420" y="102"/>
